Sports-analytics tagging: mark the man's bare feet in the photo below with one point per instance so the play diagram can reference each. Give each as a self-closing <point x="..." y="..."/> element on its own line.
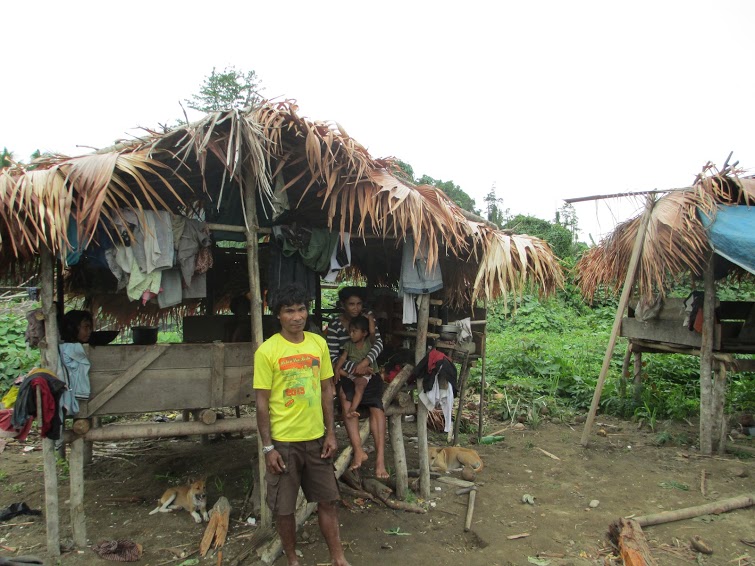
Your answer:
<point x="358" y="459"/>
<point x="381" y="473"/>
<point x="340" y="563"/>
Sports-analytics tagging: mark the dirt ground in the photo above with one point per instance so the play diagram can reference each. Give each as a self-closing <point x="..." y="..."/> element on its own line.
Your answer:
<point x="624" y="471"/>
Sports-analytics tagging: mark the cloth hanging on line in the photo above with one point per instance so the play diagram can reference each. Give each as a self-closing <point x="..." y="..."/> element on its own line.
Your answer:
<point x="416" y="276"/>
<point x="340" y="258"/>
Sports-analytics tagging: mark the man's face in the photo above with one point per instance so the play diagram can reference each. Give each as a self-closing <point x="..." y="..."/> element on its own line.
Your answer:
<point x="293" y="318"/>
<point x="353" y="306"/>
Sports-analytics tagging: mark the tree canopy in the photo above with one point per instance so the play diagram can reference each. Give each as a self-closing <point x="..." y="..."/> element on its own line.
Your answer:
<point x="230" y="88"/>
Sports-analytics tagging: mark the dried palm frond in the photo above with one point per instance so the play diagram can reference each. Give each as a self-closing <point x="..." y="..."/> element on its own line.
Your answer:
<point x="675" y="242"/>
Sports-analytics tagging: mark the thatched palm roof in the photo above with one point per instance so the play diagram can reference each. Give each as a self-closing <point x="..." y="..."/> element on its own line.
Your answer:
<point x="329" y="178"/>
<point x="676" y="241"/>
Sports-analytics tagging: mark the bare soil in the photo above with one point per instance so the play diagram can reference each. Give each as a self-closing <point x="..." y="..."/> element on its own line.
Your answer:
<point x="626" y="472"/>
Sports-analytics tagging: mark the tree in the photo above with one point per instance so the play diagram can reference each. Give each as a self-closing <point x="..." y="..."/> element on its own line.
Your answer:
<point x="228" y="89"/>
<point x="6" y="158"/>
<point x="492" y="205"/>
<point x="558" y="237"/>
<point x="452" y="190"/>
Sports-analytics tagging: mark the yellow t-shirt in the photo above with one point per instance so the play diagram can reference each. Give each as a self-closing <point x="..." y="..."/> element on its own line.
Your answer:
<point x="292" y="373"/>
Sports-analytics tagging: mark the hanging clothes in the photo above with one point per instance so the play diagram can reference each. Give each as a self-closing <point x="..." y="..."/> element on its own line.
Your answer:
<point x="410" y="308"/>
<point x="289" y="269"/>
<point x="51" y="388"/>
<point x="416" y="276"/>
<point x="439" y="377"/>
<point x="340" y="258"/>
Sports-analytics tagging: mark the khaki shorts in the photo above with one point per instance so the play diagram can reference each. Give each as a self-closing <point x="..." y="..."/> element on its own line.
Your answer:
<point x="305" y="469"/>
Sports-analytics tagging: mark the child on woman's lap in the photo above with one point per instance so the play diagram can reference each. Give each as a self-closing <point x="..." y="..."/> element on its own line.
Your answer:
<point x="360" y="330"/>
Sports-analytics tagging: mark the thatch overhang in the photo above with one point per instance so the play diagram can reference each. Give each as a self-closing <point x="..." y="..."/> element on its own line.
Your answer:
<point x="329" y="179"/>
<point x="676" y="241"/>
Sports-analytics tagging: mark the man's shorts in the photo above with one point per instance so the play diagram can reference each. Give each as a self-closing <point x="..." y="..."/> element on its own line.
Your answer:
<point x="305" y="469"/>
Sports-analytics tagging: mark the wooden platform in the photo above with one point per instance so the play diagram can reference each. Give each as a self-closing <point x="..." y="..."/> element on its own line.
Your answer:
<point x="162" y="377"/>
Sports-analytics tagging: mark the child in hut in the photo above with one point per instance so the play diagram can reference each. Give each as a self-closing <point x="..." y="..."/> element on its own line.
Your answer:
<point x="361" y="329"/>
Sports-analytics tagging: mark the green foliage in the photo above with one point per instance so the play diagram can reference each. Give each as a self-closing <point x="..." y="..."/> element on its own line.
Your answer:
<point x="453" y="190"/>
<point x="559" y="238"/>
<point x="228" y="89"/>
<point x="6" y="158"/>
<point x="493" y="208"/>
<point x="15" y="358"/>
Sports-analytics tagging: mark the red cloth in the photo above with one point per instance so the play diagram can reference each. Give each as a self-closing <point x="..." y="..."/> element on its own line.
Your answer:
<point x="433" y="358"/>
<point x="5" y="424"/>
<point x="49" y="407"/>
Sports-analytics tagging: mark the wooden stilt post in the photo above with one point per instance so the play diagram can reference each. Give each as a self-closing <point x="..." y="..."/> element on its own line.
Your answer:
<point x="623" y="301"/>
<point x="637" y="379"/>
<point x="399" y="456"/>
<point x="419" y="353"/>
<point x="255" y="294"/>
<point x="706" y="362"/>
<point x="482" y="373"/>
<point x="50" y="356"/>
<point x="52" y="517"/>
<point x="76" y="474"/>
<point x="718" y="429"/>
<point x="462" y="387"/>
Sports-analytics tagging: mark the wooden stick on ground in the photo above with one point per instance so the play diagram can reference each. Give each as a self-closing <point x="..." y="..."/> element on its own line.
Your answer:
<point x="628" y="536"/>
<point x="217" y="528"/>
<point x="716" y="507"/>
<point x="470" y="510"/>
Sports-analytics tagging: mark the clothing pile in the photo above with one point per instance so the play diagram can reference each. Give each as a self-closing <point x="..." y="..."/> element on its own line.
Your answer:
<point x="439" y="376"/>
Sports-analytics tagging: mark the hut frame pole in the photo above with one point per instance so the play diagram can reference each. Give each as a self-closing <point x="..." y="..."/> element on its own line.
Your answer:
<point x="623" y="302"/>
<point x="52" y="518"/>
<point x="482" y="372"/>
<point x="419" y="352"/>
<point x="76" y="473"/>
<point x="707" y="410"/>
<point x="255" y="292"/>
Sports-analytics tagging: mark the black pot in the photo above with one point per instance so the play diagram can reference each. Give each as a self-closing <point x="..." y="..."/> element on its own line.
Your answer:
<point x="144" y="335"/>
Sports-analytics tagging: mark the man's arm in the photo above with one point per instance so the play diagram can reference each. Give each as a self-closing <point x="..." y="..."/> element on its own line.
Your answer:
<point x="273" y="459"/>
<point x="330" y="446"/>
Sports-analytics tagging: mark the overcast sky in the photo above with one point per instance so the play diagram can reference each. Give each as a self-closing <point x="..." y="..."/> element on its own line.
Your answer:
<point x="546" y="100"/>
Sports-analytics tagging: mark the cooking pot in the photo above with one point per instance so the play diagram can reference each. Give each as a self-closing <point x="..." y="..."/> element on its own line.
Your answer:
<point x="144" y="335"/>
<point x="448" y="332"/>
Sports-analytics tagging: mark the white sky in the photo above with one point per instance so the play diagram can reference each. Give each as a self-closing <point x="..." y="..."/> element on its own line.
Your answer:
<point x="546" y="99"/>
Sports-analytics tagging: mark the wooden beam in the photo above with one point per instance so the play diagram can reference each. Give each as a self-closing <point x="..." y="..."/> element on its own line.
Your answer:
<point x="48" y="347"/>
<point x="76" y="476"/>
<point x="217" y="374"/>
<point x="150" y="355"/>
<point x="623" y="302"/>
<point x="52" y="516"/>
<point x="716" y="507"/>
<point x="162" y="430"/>
<point x="419" y="352"/>
<point x="706" y="361"/>
<point x="482" y="375"/>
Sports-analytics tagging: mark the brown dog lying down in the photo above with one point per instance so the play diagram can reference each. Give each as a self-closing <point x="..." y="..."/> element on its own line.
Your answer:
<point x="192" y="497"/>
<point x="455" y="458"/>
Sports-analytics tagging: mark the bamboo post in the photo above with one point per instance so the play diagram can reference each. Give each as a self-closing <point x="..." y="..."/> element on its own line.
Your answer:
<point x="255" y="294"/>
<point x="719" y="403"/>
<point x="51" y="488"/>
<point x="399" y="456"/>
<point x="625" y="370"/>
<point x="623" y="301"/>
<point x="482" y="372"/>
<point x="462" y="387"/>
<point x="49" y="346"/>
<point x="419" y="352"/>
<point x="637" y="379"/>
<point x="706" y="361"/>
<point x="76" y="474"/>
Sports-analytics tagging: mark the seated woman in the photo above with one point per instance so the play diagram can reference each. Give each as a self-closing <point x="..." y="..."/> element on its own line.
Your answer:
<point x="75" y="330"/>
<point x="351" y="300"/>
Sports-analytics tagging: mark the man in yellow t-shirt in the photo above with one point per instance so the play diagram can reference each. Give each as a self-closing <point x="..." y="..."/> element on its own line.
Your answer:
<point x="293" y="382"/>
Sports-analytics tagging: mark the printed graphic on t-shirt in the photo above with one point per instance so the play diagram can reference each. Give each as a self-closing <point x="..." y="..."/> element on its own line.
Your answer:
<point x="301" y="375"/>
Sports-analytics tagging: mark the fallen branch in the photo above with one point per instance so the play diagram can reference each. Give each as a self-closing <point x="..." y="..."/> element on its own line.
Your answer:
<point x="520" y="535"/>
<point x="627" y="535"/>
<point x="549" y="454"/>
<point x="702" y="482"/>
<point x="709" y="508"/>
<point x="383" y="493"/>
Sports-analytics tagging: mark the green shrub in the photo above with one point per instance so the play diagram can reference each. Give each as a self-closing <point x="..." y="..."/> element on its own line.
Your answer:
<point x="15" y="358"/>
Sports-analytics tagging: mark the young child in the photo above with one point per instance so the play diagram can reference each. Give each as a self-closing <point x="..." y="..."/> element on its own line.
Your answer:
<point x="361" y="329"/>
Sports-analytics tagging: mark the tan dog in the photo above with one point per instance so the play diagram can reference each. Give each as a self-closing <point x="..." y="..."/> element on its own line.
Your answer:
<point x="192" y="497"/>
<point x="455" y="458"/>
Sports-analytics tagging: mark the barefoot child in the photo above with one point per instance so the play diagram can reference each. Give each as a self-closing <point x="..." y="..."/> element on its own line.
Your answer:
<point x="355" y="350"/>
